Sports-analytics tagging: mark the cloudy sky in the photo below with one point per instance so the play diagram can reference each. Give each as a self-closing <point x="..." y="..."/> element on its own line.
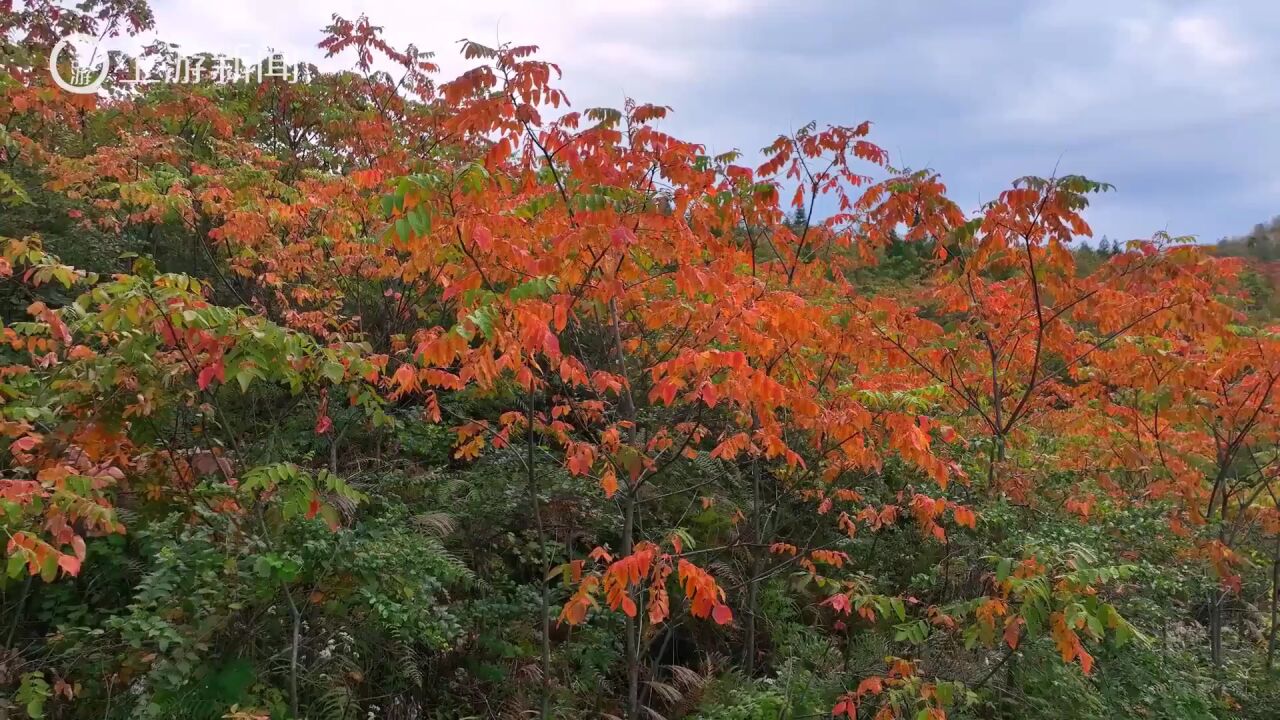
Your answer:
<point x="1175" y="103"/>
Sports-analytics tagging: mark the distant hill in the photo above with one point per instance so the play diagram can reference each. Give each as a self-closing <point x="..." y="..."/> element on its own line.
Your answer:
<point x="1262" y="248"/>
<point x="1262" y="243"/>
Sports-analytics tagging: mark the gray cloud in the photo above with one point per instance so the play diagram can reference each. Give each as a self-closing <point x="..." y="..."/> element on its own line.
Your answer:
<point x="1176" y="103"/>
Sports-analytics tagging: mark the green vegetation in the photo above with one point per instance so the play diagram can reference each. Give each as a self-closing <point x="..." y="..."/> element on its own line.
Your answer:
<point x="382" y="396"/>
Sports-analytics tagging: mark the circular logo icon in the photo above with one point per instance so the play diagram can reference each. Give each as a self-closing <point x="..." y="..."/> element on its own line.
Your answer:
<point x="85" y="80"/>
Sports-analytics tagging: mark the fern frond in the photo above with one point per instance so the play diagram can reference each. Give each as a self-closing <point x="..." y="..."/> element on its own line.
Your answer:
<point x="438" y="524"/>
<point x="686" y="677"/>
<point x="669" y="694"/>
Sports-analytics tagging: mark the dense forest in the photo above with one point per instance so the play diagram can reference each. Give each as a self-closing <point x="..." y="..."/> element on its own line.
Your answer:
<point x="390" y="395"/>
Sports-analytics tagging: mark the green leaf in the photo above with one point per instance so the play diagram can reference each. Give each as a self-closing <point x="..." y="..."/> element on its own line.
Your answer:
<point x="8" y="186"/>
<point x="945" y="692"/>
<point x="333" y="371"/>
<point x="1003" y="569"/>
<point x="330" y="516"/>
<point x="49" y="568"/>
<point x="1095" y="625"/>
<point x="537" y="287"/>
<point x="898" y="608"/>
<point x="15" y="566"/>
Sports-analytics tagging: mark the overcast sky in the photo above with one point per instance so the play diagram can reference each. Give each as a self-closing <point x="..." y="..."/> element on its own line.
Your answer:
<point x="1176" y="103"/>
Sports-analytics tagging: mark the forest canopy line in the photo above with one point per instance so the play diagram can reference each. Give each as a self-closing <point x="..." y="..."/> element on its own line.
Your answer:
<point x="390" y="395"/>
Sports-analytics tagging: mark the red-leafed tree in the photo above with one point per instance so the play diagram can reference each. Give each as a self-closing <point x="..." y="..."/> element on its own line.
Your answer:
<point x="635" y="325"/>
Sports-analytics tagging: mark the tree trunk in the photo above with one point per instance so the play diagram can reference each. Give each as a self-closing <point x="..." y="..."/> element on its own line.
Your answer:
<point x="753" y="582"/>
<point x="293" y="654"/>
<point x="22" y="604"/>
<point x="1215" y="636"/>
<point x="1275" y="598"/>
<point x="545" y="604"/>
<point x="1215" y="610"/>
<point x="632" y="629"/>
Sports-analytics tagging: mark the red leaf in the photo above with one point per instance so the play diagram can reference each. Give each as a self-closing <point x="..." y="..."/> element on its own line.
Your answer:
<point x="710" y="395"/>
<point x="838" y="602"/>
<point x="621" y="237"/>
<point x="722" y="614"/>
<point x="1012" y="632"/>
<point x="70" y="564"/>
<point x="211" y="372"/>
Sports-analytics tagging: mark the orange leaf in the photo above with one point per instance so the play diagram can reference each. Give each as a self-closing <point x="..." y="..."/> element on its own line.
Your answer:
<point x="609" y="482"/>
<point x="870" y="686"/>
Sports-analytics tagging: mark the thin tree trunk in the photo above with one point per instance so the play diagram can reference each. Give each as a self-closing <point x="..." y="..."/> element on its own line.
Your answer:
<point x="749" y="643"/>
<point x="333" y="456"/>
<point x="335" y="439"/>
<point x="22" y="603"/>
<point x="753" y="587"/>
<point x="293" y="654"/>
<point x="992" y="459"/>
<point x="1215" y="636"/>
<point x="1275" y="599"/>
<point x="1215" y="610"/>
<point x="632" y="628"/>
<point x="545" y="605"/>
<point x="632" y="623"/>
<point x="296" y="616"/>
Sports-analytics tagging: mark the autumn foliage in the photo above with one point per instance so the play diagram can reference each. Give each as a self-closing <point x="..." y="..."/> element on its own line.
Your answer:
<point x="592" y="299"/>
